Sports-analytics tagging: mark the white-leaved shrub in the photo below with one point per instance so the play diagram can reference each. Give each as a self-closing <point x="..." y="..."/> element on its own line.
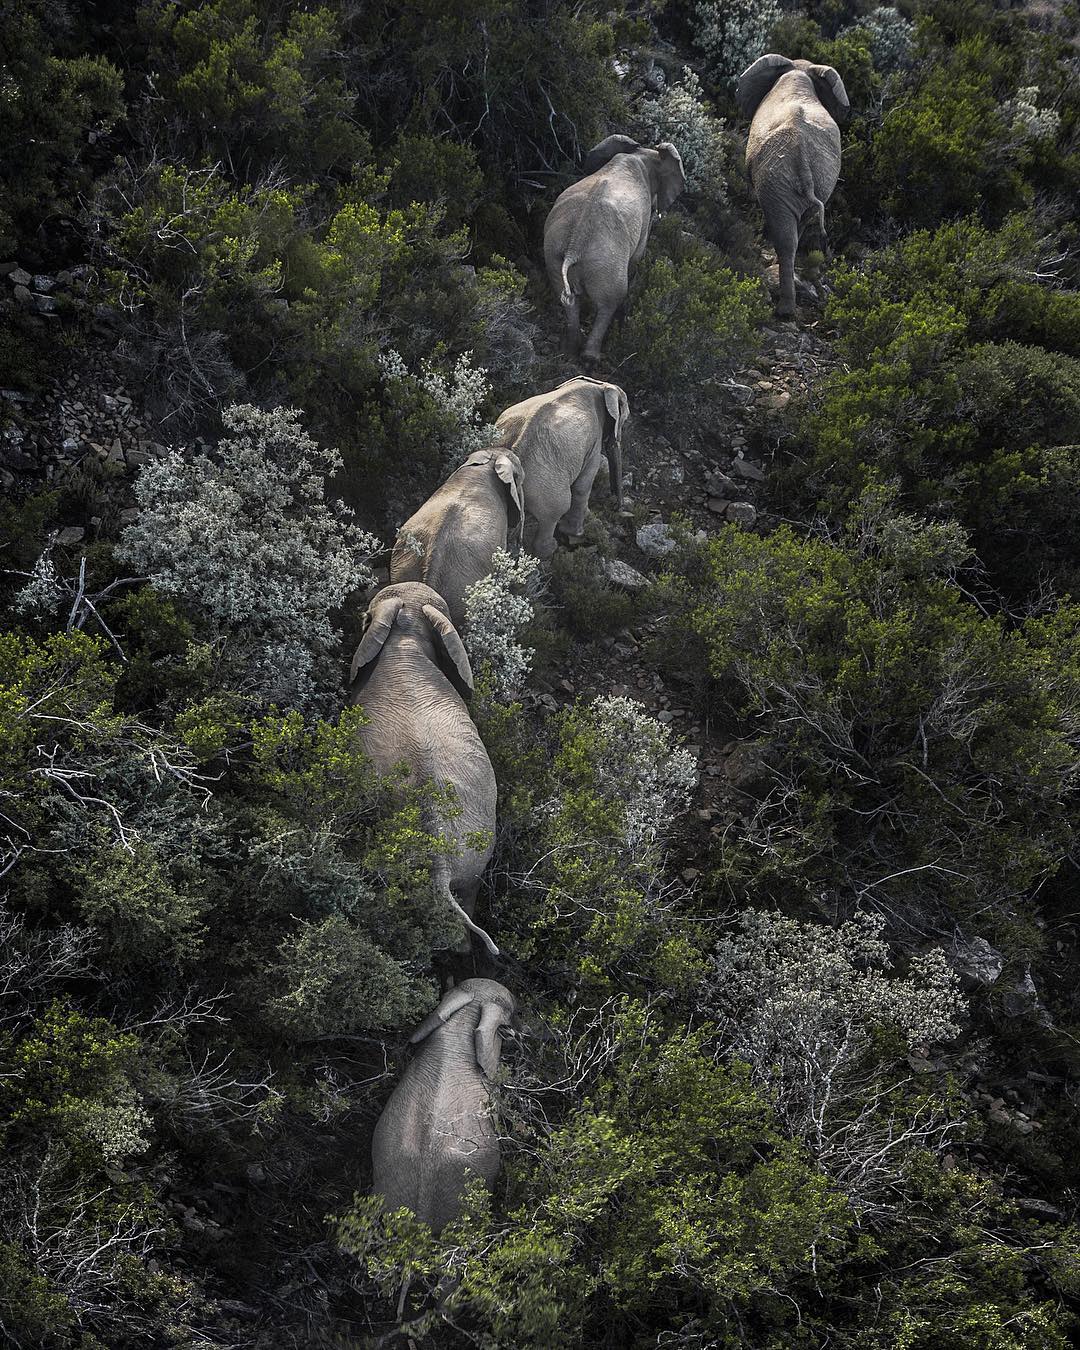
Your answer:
<point x="43" y="592"/>
<point x="244" y="535"/>
<point x="1028" y="119"/>
<point x="458" y="393"/>
<point x="806" y="1006"/>
<point x="731" y="34"/>
<point x="679" y="114"/>
<point x="497" y="608"/>
<point x="637" y="764"/>
<point x="891" y="38"/>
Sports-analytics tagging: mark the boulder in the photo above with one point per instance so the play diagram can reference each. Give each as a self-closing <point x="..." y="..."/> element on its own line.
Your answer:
<point x="623" y="575"/>
<point x="655" y="539"/>
<point x="976" y="962"/>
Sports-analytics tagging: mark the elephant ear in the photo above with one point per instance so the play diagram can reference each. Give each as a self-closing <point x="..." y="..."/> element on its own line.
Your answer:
<point x="380" y="620"/>
<point x="456" y="664"/>
<point x="830" y="89"/>
<point x="756" y="81"/>
<point x="451" y="1003"/>
<point x="486" y="1038"/>
<point x="618" y="406"/>
<point x="508" y="467"/>
<point x="672" y="176"/>
<point x="608" y="148"/>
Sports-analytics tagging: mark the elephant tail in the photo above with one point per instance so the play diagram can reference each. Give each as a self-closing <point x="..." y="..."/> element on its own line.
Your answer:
<point x="440" y="880"/>
<point x="566" y="296"/>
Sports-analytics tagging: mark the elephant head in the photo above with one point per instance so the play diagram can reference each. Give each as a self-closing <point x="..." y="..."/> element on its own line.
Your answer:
<point x="664" y="164"/>
<point x="757" y="79"/>
<point x="497" y="1009"/>
<point x="413" y="608"/>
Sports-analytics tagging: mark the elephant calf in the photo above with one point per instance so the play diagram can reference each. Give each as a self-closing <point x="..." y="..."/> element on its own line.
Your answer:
<point x="600" y="225"/>
<point x="793" y="151"/>
<point x="449" y="542"/>
<point x="435" y="1132"/>
<point x="412" y="675"/>
<point x="560" y="438"/>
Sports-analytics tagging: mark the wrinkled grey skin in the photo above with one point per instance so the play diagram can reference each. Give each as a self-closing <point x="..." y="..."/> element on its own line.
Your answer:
<point x="435" y="1133"/>
<point x="599" y="226"/>
<point x="411" y="674"/>
<point x="461" y="525"/>
<point x="561" y="438"/>
<point x="793" y="151"/>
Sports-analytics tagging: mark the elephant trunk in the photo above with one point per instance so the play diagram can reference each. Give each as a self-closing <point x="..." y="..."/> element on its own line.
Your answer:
<point x="614" y="461"/>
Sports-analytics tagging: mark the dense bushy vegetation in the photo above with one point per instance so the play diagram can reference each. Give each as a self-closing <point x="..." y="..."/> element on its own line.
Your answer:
<point x="740" y="1110"/>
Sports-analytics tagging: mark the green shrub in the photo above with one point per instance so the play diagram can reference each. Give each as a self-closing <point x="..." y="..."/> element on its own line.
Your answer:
<point x="52" y="108"/>
<point x="947" y="149"/>
<point x="914" y="750"/>
<point x="986" y="276"/>
<point x="587" y="602"/>
<point x="258" y="83"/>
<point x="689" y="319"/>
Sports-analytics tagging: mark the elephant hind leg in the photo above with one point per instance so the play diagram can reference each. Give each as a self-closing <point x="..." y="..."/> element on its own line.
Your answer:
<point x="608" y="297"/>
<point x="572" y="330"/>
<point x="784" y="237"/>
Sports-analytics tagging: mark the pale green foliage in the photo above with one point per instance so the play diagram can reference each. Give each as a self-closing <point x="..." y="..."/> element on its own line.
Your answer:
<point x="457" y="393"/>
<point x="42" y="592"/>
<point x="733" y="33"/>
<point x="802" y="1004"/>
<point x="497" y="608"/>
<point x="890" y="35"/>
<point x="246" y="537"/>
<point x="333" y="980"/>
<point x="636" y="763"/>
<point x="1028" y="119"/>
<point x="118" y="1128"/>
<point x="679" y="114"/>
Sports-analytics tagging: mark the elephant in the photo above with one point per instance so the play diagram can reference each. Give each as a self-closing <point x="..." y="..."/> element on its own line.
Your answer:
<point x="793" y="151"/>
<point x="436" y="1131"/>
<point x="560" y="438"/>
<point x="449" y="542"/>
<point x="411" y="674"/>
<point x="600" y="225"/>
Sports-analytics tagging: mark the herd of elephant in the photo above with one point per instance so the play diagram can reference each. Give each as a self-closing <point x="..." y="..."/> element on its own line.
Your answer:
<point x="411" y="672"/>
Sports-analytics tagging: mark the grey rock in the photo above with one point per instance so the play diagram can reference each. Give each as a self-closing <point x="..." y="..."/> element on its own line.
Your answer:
<point x="623" y="575"/>
<point x="741" y="394"/>
<point x="43" y="283"/>
<point x="1041" y="1208"/>
<point x="720" y="485"/>
<point x="19" y="277"/>
<point x="742" y="513"/>
<point x="44" y="304"/>
<point x="69" y="535"/>
<point x="129" y="515"/>
<point x="718" y="505"/>
<point x="976" y="961"/>
<point x="655" y="539"/>
<point x="746" y="468"/>
<point x="22" y="295"/>
<point x="671" y="475"/>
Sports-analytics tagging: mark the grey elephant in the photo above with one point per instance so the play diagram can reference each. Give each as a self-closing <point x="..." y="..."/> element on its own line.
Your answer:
<point x="793" y="151"/>
<point x="449" y="542"/>
<point x="411" y="674"/>
<point x="435" y="1133"/>
<point x="561" y="438"/>
<point x="600" y="225"/>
